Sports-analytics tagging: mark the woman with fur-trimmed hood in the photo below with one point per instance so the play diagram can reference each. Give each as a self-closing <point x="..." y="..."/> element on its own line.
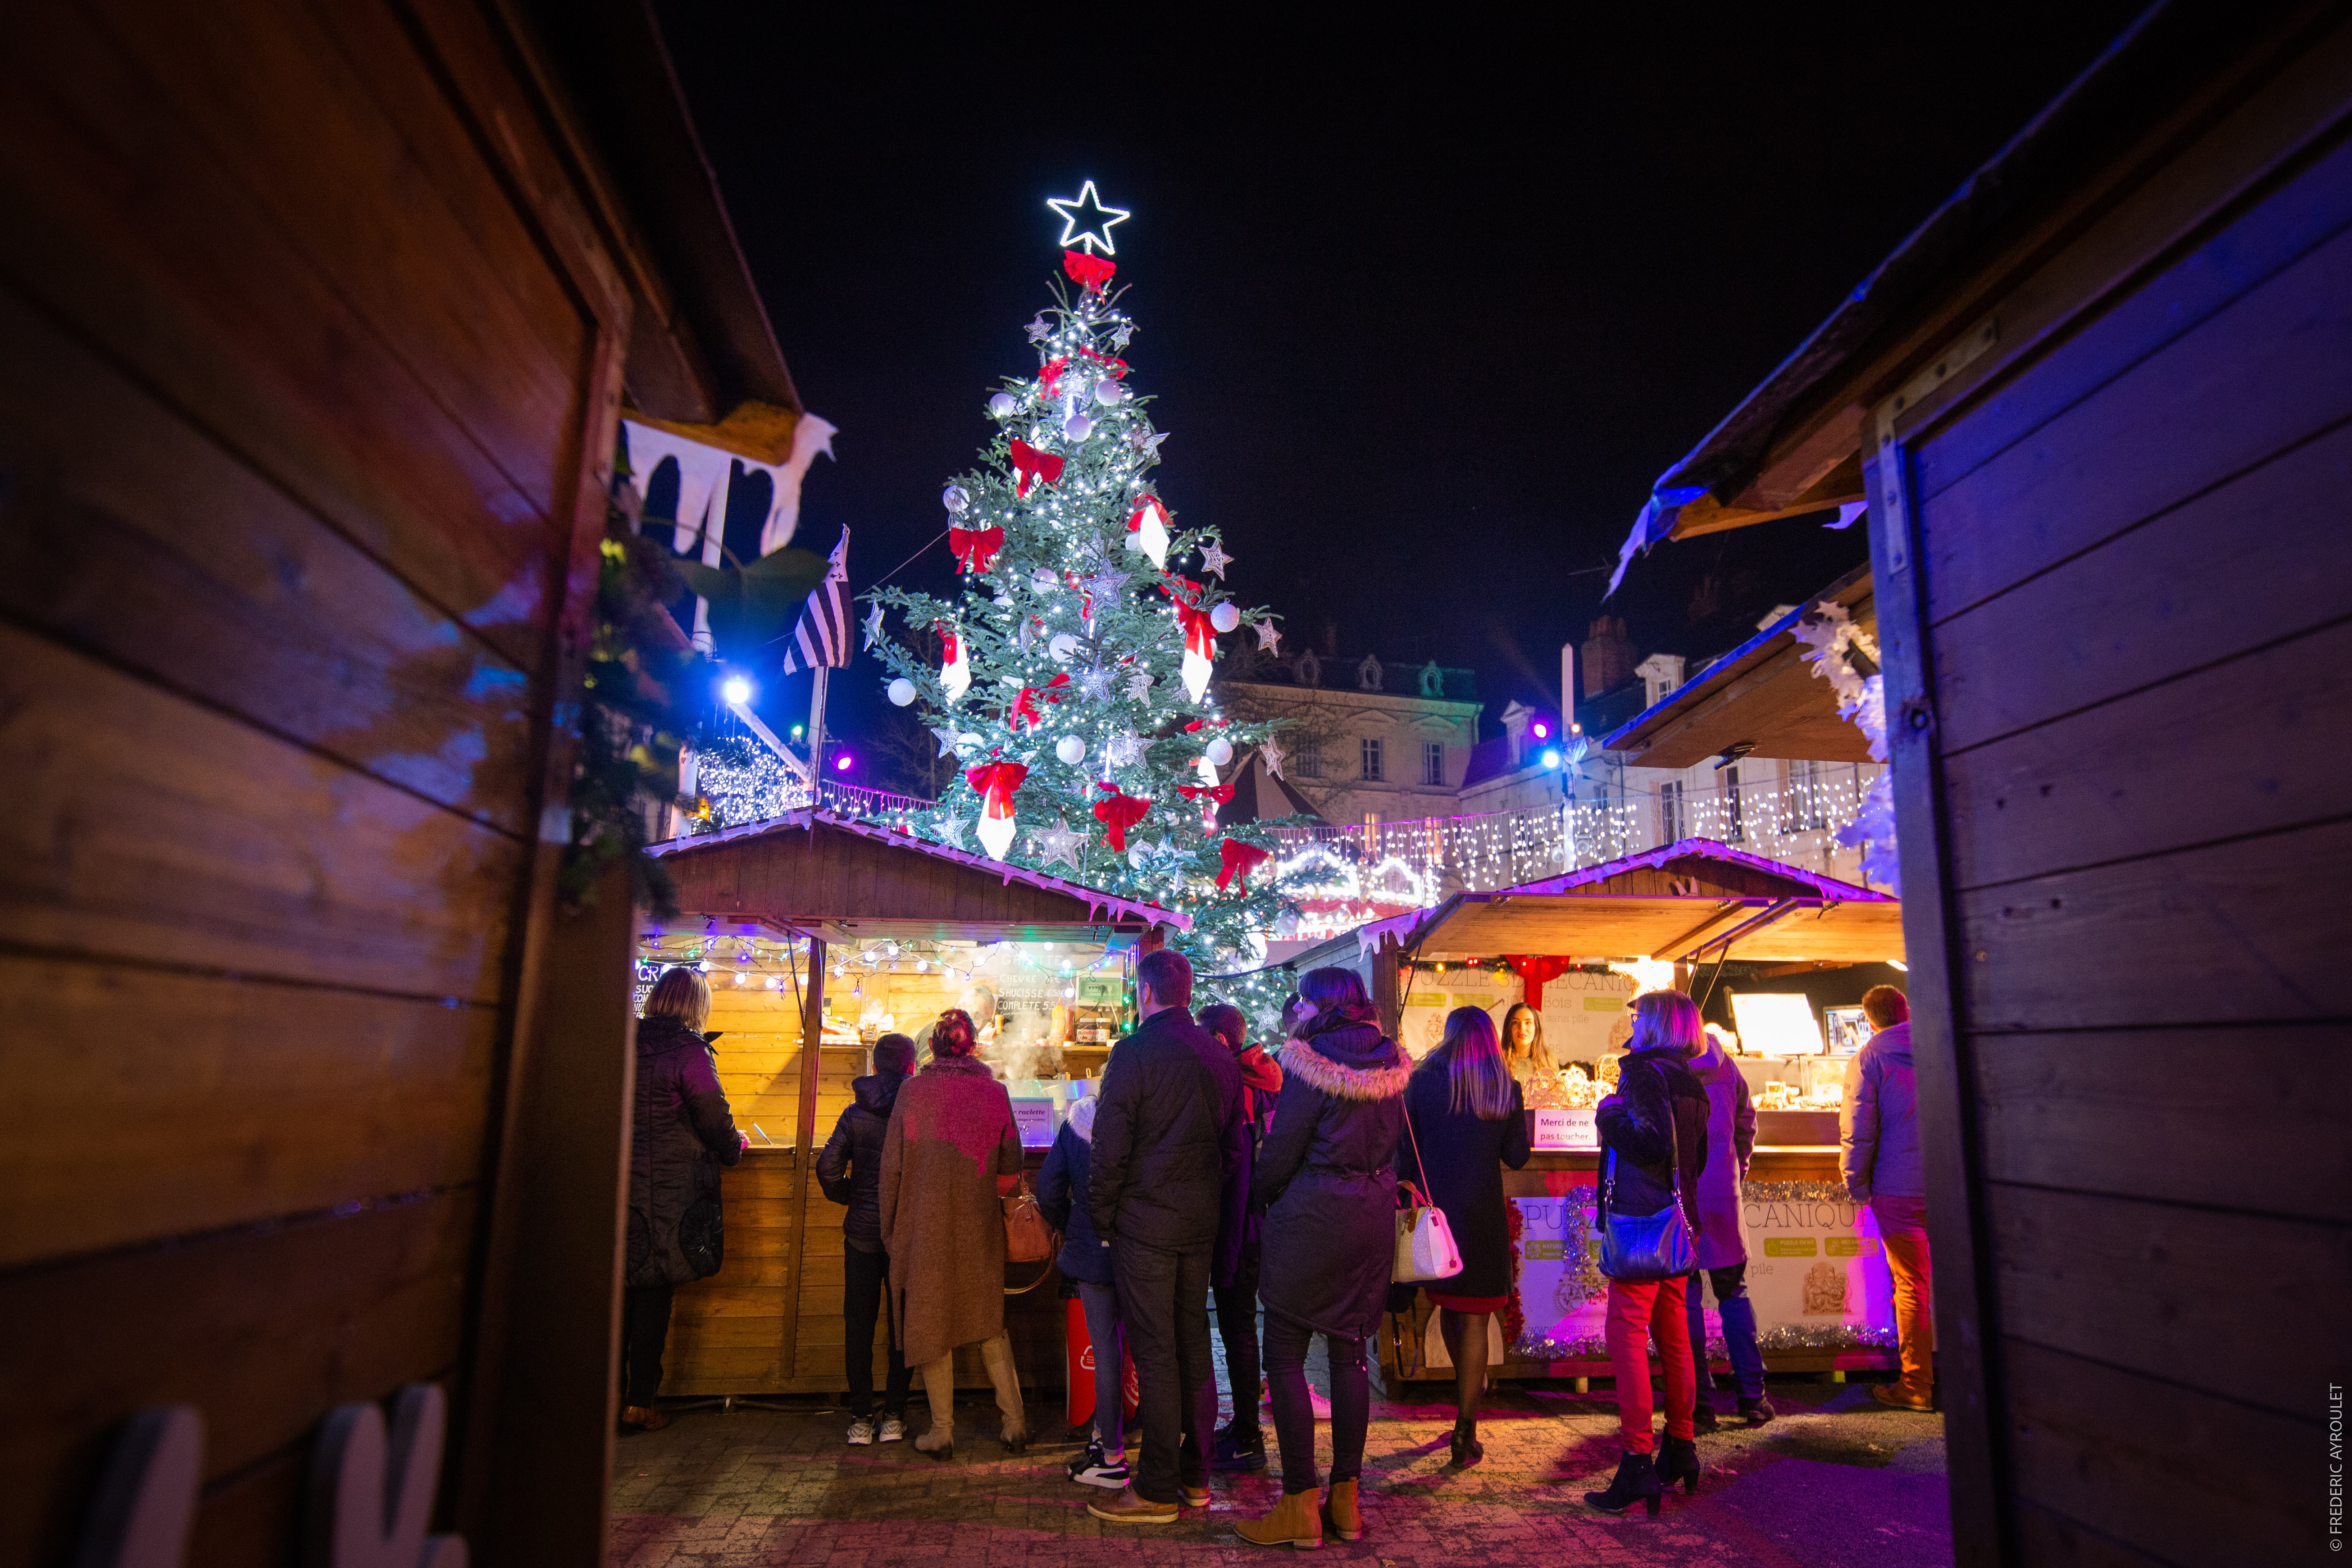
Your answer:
<point x="1324" y="1181"/>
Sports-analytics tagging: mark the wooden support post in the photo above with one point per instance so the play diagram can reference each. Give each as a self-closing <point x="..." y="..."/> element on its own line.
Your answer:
<point x="1384" y="986"/>
<point x="805" y="1146"/>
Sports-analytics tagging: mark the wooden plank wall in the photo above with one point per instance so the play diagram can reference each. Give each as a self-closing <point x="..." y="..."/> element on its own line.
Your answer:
<point x="2135" y="552"/>
<point x="300" y="401"/>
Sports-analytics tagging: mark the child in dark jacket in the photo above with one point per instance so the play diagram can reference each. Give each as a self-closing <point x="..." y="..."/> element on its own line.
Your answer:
<point x="1086" y="1264"/>
<point x="849" y="1172"/>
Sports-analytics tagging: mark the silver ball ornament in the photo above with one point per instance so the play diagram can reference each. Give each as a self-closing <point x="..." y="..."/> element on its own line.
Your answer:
<point x="1003" y="406"/>
<point x="1062" y="645"/>
<point x="1077" y="426"/>
<point x="1221" y="750"/>
<point x="1108" y="393"/>
<point x="1225" y="617"/>
<point x="1071" y="750"/>
<point x="956" y="499"/>
<point x="900" y="691"/>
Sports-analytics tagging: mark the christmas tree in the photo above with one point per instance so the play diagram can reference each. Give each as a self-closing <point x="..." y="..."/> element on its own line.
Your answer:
<point x="1070" y="678"/>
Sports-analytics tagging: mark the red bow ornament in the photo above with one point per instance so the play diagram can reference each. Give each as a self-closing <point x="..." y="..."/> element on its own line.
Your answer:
<point x="1049" y="377"/>
<point x="1235" y="859"/>
<point x="1032" y="468"/>
<point x="1146" y="529"/>
<point x="995" y="781"/>
<point x="1533" y="971"/>
<point x="1118" y="813"/>
<point x="975" y="548"/>
<point x="1088" y="270"/>
<point x="955" y="664"/>
<point x="1025" y="707"/>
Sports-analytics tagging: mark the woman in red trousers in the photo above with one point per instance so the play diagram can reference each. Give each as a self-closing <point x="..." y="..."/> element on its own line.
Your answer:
<point x="1656" y="1124"/>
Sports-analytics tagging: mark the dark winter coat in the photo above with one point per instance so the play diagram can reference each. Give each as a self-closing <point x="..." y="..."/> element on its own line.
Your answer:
<point x="1169" y="1142"/>
<point x="952" y="1134"/>
<point x="1324" y="1175"/>
<point x="1062" y="1198"/>
<point x="850" y="1169"/>
<point x="1465" y="1156"/>
<point x="1633" y="1121"/>
<point x="1730" y="1140"/>
<point x="682" y="1134"/>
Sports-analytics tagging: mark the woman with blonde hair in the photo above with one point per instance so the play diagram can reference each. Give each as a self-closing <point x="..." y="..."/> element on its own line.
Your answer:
<point x="1467" y="1121"/>
<point x="952" y="1134"/>
<point x="1653" y="1139"/>
<point x="684" y="1132"/>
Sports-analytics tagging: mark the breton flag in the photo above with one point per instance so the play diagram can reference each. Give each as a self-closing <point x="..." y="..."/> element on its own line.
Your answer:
<point x="821" y="638"/>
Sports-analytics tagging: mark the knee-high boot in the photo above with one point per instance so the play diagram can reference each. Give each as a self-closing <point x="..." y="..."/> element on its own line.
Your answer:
<point x="996" y="1355"/>
<point x="939" y="1387"/>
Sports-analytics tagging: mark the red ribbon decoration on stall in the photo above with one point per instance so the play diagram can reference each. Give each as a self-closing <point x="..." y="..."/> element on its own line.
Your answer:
<point x="1090" y="270"/>
<point x="1235" y="859"/>
<point x="1121" y="812"/>
<point x="1533" y="971"/>
<point x="975" y="548"/>
<point x="1032" y="468"/>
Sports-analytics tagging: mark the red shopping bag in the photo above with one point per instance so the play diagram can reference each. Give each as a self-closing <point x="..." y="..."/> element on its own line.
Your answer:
<point x="1081" y="1380"/>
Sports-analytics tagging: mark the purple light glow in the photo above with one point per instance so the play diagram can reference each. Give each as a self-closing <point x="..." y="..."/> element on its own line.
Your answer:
<point x="842" y="764"/>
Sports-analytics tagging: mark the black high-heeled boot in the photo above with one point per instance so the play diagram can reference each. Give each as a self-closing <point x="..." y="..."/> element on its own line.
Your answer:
<point x="1636" y="1481"/>
<point x="1678" y="1460"/>
<point x="1467" y="1449"/>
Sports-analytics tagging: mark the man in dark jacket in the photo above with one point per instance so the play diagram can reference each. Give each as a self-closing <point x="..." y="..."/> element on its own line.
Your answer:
<point x="1170" y="1141"/>
<point x="1241" y="1445"/>
<point x="1879" y="1129"/>
<point x="850" y="1171"/>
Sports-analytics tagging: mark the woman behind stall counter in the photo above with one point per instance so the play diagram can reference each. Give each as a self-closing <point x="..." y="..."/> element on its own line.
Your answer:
<point x="684" y="1132"/>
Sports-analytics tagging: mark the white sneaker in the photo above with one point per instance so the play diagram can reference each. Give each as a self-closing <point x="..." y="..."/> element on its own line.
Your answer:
<point x="893" y="1429"/>
<point x="1097" y="1471"/>
<point x="861" y="1431"/>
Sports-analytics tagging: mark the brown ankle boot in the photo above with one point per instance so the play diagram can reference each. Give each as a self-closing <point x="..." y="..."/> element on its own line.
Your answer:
<point x="1294" y="1523"/>
<point x="1340" y="1515"/>
<point x="644" y="1418"/>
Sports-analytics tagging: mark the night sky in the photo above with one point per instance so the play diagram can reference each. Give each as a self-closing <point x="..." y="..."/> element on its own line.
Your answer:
<point x="1424" y="315"/>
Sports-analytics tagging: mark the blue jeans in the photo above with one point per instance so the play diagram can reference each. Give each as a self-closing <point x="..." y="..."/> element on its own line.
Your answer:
<point x="1738" y="1332"/>
<point x="1109" y="1340"/>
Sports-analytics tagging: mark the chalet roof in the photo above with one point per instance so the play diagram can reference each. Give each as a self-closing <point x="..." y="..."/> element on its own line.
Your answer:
<point x="1762" y="694"/>
<point x="1693" y="899"/>
<point x="1259" y="796"/>
<point x="831" y="876"/>
<point x="2144" y="76"/>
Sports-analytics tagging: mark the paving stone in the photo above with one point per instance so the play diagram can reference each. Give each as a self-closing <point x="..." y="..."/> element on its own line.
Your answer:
<point x="1836" y="1482"/>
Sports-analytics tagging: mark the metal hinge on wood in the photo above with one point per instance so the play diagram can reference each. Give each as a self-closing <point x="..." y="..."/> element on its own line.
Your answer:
<point x="1957" y="356"/>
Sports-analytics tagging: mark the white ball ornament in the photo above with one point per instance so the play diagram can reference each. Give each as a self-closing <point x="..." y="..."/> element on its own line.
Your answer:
<point x="1077" y="426"/>
<point x="1225" y="617"/>
<point x="1003" y="406"/>
<point x="1221" y="750"/>
<point x="1062" y="645"/>
<point x="1108" y="393"/>
<point x="901" y="692"/>
<point x="956" y="499"/>
<point x="1071" y="750"/>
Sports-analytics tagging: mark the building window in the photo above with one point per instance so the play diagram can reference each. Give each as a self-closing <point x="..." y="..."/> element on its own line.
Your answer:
<point x="1373" y="768"/>
<point x="1670" y="812"/>
<point x="1734" y="830"/>
<point x="1432" y="761"/>
<point x="1309" y="757"/>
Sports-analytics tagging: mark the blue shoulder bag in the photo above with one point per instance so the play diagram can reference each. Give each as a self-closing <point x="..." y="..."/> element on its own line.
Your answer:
<point x="1649" y="1245"/>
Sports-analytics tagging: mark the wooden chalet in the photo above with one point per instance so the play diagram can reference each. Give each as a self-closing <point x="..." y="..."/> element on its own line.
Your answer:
<point x="2100" y="407"/>
<point x="315" y="326"/>
<point x="771" y="1320"/>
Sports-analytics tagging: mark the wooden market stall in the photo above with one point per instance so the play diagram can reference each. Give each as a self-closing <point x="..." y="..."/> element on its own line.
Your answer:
<point x="1815" y="1271"/>
<point x="819" y="934"/>
<point x="2097" y="405"/>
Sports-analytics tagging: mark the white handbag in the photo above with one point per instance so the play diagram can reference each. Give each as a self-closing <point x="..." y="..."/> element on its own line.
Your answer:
<point x="1425" y="1252"/>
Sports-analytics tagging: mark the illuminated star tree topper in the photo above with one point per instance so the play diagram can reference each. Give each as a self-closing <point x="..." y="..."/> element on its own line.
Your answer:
<point x="1086" y="222"/>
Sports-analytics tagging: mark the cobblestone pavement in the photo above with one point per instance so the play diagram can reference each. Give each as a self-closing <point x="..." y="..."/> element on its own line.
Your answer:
<point x="1837" y="1482"/>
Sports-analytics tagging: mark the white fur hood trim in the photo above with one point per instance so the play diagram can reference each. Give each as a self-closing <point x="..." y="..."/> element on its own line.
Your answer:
<point x="1302" y="1061"/>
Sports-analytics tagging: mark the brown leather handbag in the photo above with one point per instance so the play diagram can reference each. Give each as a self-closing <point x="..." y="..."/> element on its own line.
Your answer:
<point x="1027" y="1237"/>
